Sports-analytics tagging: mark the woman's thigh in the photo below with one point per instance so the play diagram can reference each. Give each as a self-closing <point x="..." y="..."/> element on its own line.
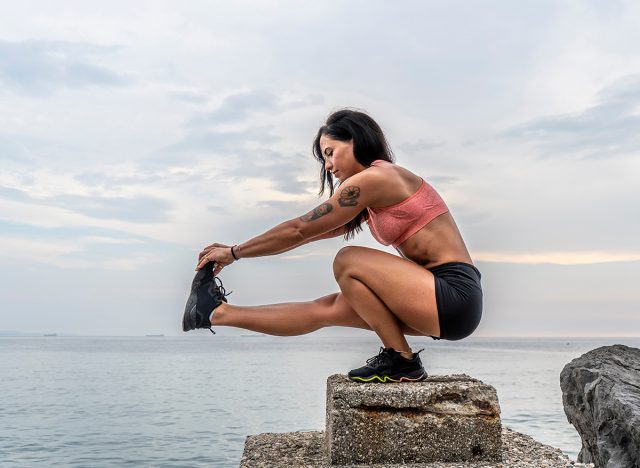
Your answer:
<point x="404" y="287"/>
<point x="339" y="313"/>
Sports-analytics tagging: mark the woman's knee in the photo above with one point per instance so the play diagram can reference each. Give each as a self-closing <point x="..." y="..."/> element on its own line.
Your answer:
<point x="335" y="311"/>
<point x="327" y="301"/>
<point x="324" y="307"/>
<point x="344" y="257"/>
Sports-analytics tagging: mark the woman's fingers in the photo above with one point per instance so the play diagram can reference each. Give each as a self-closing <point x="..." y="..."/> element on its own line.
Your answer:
<point x="208" y="248"/>
<point x="204" y="261"/>
<point x="207" y="256"/>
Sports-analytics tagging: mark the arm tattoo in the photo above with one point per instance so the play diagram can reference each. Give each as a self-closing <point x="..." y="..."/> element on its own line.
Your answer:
<point x="349" y="196"/>
<point x="317" y="212"/>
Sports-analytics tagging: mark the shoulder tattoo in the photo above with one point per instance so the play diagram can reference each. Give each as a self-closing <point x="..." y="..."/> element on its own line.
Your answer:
<point x="349" y="196"/>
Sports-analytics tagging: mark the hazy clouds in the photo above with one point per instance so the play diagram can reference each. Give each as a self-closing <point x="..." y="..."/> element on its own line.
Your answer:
<point x="134" y="134"/>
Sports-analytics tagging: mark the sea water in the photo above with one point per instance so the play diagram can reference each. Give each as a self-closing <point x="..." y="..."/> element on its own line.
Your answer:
<point x="192" y="400"/>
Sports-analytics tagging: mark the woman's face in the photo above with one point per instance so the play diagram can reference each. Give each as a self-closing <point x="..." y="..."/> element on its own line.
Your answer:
<point x="338" y="157"/>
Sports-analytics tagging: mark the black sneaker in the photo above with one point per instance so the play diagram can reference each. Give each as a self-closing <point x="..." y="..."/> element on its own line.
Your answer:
<point x="389" y="366"/>
<point x="205" y="296"/>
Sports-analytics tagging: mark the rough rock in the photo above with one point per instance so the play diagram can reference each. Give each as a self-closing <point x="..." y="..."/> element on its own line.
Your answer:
<point x="305" y="449"/>
<point x="444" y="418"/>
<point x="601" y="397"/>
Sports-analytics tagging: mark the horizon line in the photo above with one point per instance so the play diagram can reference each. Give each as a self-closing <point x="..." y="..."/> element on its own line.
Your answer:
<point x="20" y="334"/>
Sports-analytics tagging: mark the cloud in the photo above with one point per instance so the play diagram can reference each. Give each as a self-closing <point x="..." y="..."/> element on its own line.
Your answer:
<point x="9" y="193"/>
<point x="14" y="149"/>
<point x="282" y="204"/>
<point x="609" y="128"/>
<point x="469" y="215"/>
<point x="189" y="96"/>
<point x="137" y="209"/>
<point x="212" y="141"/>
<point x="282" y="171"/>
<point x="238" y="106"/>
<point x="116" y="178"/>
<point x="220" y="210"/>
<point x="420" y="146"/>
<point x="311" y="99"/>
<point x="78" y="247"/>
<point x="442" y="180"/>
<point x="72" y="254"/>
<point x="244" y="151"/>
<point x="558" y="258"/>
<point x="39" y="68"/>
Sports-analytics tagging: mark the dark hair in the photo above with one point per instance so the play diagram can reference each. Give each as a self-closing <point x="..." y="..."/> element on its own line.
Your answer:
<point x="369" y="144"/>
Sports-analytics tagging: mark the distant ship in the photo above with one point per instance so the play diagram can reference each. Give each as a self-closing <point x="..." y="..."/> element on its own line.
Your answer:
<point x="50" y="334"/>
<point x="155" y="335"/>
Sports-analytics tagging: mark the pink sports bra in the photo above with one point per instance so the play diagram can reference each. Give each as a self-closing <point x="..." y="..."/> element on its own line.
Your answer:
<point x="396" y="223"/>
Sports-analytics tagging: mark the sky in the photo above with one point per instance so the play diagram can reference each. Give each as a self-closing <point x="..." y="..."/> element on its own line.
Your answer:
<point x="133" y="134"/>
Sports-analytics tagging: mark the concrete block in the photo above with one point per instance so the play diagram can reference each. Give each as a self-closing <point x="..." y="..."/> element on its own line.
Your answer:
<point x="452" y="418"/>
<point x="305" y="450"/>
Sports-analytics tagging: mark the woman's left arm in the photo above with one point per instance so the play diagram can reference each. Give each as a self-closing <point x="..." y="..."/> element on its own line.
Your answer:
<point x="281" y="238"/>
<point x="353" y="196"/>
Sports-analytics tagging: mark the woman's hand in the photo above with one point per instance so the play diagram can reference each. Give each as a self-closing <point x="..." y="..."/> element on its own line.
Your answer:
<point x="219" y="254"/>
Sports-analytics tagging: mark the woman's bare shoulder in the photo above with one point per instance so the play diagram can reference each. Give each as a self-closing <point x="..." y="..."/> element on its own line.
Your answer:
<point x="394" y="174"/>
<point x="395" y="183"/>
<point x="372" y="182"/>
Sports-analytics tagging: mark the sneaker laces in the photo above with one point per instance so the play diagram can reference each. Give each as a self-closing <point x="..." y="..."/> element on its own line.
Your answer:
<point x="382" y="356"/>
<point x="379" y="358"/>
<point x="219" y="287"/>
<point x="220" y="293"/>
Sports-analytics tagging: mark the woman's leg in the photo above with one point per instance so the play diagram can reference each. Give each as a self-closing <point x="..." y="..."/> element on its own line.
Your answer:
<point x="294" y="318"/>
<point x="386" y="291"/>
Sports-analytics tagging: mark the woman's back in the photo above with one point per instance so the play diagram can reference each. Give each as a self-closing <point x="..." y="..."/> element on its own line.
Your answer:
<point x="405" y="183"/>
<point x="393" y="224"/>
<point x="435" y="239"/>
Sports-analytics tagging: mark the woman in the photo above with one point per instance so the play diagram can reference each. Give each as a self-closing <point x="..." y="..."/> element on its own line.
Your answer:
<point x="433" y="289"/>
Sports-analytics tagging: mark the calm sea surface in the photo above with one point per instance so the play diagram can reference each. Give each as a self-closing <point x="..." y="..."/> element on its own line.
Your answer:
<point x="191" y="401"/>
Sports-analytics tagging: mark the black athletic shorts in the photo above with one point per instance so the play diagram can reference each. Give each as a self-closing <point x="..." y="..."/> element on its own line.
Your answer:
<point x="459" y="299"/>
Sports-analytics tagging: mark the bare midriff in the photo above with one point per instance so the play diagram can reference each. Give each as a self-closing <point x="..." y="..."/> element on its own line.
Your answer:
<point x="436" y="243"/>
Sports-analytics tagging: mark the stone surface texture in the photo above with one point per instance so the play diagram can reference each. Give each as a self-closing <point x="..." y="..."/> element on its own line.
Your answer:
<point x="601" y="396"/>
<point x="444" y="418"/>
<point x="305" y="449"/>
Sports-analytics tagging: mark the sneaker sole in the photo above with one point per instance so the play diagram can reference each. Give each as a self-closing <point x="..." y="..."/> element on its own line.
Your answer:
<point x="386" y="378"/>
<point x="189" y="317"/>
